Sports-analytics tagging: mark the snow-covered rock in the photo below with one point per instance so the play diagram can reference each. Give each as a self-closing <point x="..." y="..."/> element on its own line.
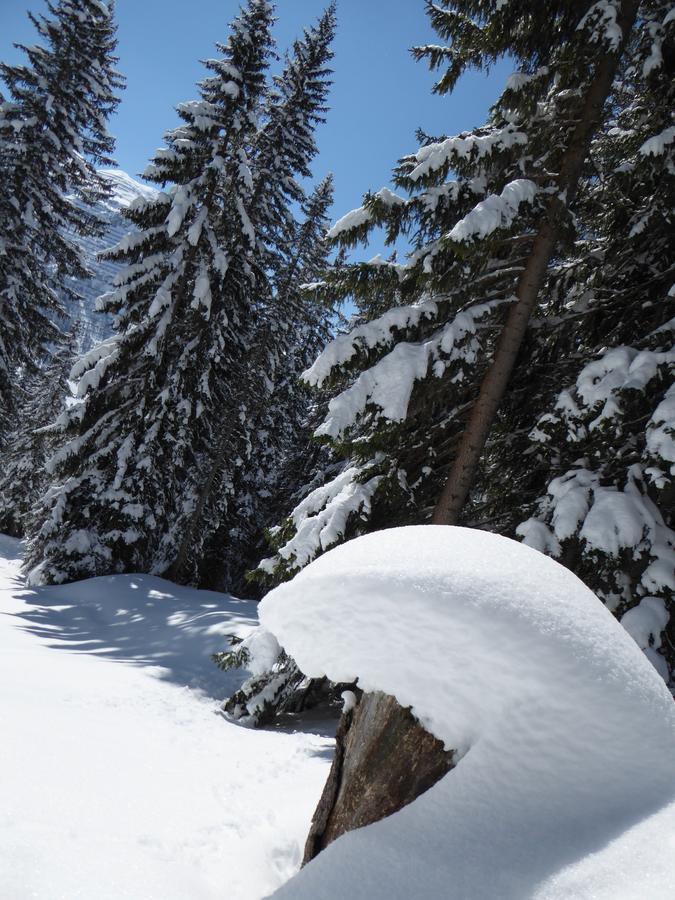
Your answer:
<point x="96" y="326"/>
<point x="564" y="733"/>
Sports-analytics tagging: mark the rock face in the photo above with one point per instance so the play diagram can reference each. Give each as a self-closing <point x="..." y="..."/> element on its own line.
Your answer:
<point x="95" y="326"/>
<point x="384" y="759"/>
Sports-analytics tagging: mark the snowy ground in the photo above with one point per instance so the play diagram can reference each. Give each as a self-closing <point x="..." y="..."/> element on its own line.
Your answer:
<point x="118" y="776"/>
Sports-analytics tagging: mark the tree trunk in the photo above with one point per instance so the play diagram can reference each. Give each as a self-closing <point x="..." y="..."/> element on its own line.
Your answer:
<point x="384" y="759"/>
<point x="465" y="465"/>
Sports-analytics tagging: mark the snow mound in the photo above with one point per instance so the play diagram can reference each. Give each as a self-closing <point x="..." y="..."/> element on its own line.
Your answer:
<point x="563" y="731"/>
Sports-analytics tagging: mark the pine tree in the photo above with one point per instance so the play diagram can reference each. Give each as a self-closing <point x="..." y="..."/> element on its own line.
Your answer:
<point x="24" y="475"/>
<point x="154" y="394"/>
<point x="147" y="472"/>
<point x="52" y="134"/>
<point x="405" y="379"/>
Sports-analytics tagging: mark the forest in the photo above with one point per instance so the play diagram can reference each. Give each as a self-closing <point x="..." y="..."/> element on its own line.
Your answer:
<point x="405" y="522"/>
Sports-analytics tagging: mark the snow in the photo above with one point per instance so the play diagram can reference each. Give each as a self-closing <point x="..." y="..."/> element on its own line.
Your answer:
<point x="656" y="146"/>
<point x="616" y="520"/>
<point x="619" y="369"/>
<point x="378" y="332"/>
<point x="436" y="156"/>
<point x="645" y="623"/>
<point x="603" y="385"/>
<point x="181" y="203"/>
<point x="202" y="291"/>
<point x="118" y="776"/>
<point x="94" y="326"/>
<point x="354" y="219"/>
<point x="321" y="518"/>
<point x="564" y="734"/>
<point x="496" y="211"/>
<point x="520" y="80"/>
<point x="388" y="384"/>
<point x="602" y="18"/>
<point x="661" y="430"/>
<point x="348" y="701"/>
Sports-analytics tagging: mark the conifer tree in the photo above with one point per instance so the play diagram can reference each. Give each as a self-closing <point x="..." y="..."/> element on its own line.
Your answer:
<point x="24" y="476"/>
<point x="229" y="515"/>
<point x="405" y="379"/>
<point x="52" y="134"/>
<point x="283" y="461"/>
<point x="602" y="441"/>
<point x="151" y="457"/>
<point x="154" y="394"/>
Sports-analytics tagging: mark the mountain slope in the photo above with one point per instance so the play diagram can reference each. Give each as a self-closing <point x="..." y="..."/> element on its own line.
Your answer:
<point x="95" y="326"/>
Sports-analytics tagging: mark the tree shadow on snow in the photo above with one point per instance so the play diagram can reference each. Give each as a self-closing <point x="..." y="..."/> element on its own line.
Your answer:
<point x="142" y="620"/>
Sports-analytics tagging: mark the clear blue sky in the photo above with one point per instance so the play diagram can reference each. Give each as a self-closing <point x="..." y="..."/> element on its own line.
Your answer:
<point x="380" y="95"/>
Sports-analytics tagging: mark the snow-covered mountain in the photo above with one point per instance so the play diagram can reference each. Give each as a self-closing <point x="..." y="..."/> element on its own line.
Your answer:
<point x="96" y="326"/>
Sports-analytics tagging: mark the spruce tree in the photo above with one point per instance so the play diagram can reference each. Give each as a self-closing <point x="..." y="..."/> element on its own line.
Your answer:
<point x="52" y="135"/>
<point x="221" y="535"/>
<point x="154" y="395"/>
<point x="285" y="459"/>
<point x="405" y="379"/>
<point x="150" y="459"/>
<point x="603" y="437"/>
<point x="24" y="476"/>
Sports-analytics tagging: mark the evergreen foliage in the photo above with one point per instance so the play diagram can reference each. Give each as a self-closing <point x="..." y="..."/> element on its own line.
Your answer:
<point x="166" y="438"/>
<point x="31" y="442"/>
<point x="404" y="379"/>
<point x="52" y="134"/>
<point x="603" y="447"/>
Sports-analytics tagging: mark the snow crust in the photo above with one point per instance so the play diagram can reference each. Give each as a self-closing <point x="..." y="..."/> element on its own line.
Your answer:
<point x="564" y="733"/>
<point x="118" y="777"/>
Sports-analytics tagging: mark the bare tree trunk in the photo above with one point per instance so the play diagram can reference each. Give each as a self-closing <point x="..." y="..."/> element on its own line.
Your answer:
<point x="384" y="759"/>
<point x="463" y="472"/>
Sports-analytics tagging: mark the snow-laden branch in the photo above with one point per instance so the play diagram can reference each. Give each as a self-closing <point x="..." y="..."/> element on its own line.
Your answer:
<point x="387" y="385"/>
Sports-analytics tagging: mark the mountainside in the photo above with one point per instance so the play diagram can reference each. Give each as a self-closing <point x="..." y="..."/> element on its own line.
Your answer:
<point x="96" y="326"/>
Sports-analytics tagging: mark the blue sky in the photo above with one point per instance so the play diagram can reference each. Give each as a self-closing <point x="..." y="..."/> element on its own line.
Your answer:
<point x="380" y="95"/>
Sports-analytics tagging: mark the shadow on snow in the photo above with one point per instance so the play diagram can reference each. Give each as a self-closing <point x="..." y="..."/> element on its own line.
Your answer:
<point x="141" y="620"/>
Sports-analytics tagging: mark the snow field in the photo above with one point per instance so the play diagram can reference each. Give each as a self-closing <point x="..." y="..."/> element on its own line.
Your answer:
<point x="118" y="779"/>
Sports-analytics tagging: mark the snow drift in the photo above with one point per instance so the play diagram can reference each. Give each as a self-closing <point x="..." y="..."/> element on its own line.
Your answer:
<point x="564" y="732"/>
